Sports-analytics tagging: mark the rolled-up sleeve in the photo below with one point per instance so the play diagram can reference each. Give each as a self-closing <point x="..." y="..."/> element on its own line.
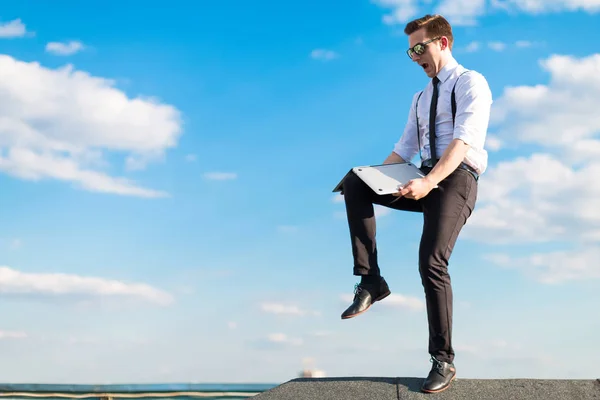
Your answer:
<point x="473" y="105"/>
<point x="408" y="145"/>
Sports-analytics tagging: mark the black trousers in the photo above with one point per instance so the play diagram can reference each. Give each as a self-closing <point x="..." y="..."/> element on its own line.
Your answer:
<point x="445" y="211"/>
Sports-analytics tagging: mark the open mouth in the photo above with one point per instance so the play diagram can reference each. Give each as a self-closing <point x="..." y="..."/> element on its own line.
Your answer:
<point x="425" y="65"/>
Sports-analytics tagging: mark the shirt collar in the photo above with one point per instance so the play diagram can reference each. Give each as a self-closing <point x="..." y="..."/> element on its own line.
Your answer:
<point x="445" y="72"/>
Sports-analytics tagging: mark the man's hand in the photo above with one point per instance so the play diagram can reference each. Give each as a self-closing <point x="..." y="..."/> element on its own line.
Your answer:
<point x="416" y="189"/>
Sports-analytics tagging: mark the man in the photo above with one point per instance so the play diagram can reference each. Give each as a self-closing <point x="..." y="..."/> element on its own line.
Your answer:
<point x="454" y="167"/>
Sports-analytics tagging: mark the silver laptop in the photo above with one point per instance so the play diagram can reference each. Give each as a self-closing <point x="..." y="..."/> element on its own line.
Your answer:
<point x="385" y="178"/>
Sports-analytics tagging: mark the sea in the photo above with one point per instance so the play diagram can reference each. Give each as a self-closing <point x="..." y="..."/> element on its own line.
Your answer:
<point x="219" y="391"/>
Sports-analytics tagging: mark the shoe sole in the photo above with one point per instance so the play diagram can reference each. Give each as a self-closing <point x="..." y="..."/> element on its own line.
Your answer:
<point x="440" y="390"/>
<point x="383" y="296"/>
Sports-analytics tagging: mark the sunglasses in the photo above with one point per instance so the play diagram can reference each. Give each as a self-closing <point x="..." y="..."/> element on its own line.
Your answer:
<point x="420" y="48"/>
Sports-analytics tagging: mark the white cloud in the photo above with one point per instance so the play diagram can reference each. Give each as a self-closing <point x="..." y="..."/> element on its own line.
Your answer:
<point x="29" y="165"/>
<point x="321" y="334"/>
<point x="548" y="195"/>
<point x="13" y="29"/>
<point x="560" y="115"/>
<point x="61" y="123"/>
<point x="492" y="143"/>
<point x="472" y="47"/>
<point x="64" y="49"/>
<point x="497" y="46"/>
<point x="466" y="12"/>
<point x="536" y="199"/>
<point x="462" y="12"/>
<point x="458" y="12"/>
<point x="405" y="302"/>
<point x="523" y="43"/>
<point x="338" y="198"/>
<point x="324" y="54"/>
<point x="12" y="335"/>
<point x="282" y="309"/>
<point x="490" y="349"/>
<point x="287" y="229"/>
<point x="16" y="244"/>
<point x="401" y="10"/>
<point x="381" y="211"/>
<point x="281" y="338"/>
<point x="544" y="6"/>
<point x="220" y="176"/>
<point x="554" y="267"/>
<point x="14" y="282"/>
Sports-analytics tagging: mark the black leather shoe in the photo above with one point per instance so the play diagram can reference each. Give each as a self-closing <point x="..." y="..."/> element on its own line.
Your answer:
<point x="364" y="296"/>
<point x="440" y="376"/>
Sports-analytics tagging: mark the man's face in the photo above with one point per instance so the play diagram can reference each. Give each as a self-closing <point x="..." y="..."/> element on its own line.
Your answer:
<point x="432" y="58"/>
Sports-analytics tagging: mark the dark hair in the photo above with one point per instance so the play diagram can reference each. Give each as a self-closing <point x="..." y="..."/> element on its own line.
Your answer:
<point x="435" y="25"/>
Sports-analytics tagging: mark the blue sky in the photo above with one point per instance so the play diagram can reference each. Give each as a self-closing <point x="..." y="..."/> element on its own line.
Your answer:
<point x="166" y="178"/>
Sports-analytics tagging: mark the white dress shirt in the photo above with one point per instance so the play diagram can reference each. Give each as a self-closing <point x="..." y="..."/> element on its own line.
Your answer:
<point x="473" y="104"/>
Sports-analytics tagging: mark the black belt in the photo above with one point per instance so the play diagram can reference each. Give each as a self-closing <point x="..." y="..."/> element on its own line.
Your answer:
<point x="429" y="164"/>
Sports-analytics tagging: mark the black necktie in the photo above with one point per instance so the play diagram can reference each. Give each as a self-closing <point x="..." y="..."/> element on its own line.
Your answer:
<point x="432" y="114"/>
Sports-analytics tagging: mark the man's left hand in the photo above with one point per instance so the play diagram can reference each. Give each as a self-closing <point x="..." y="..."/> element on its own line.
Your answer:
<point x="416" y="189"/>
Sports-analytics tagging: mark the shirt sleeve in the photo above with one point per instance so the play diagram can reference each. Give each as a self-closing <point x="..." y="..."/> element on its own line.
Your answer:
<point x="473" y="106"/>
<point x="408" y="145"/>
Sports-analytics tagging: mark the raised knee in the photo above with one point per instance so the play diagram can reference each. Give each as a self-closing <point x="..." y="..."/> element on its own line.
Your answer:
<point x="352" y="183"/>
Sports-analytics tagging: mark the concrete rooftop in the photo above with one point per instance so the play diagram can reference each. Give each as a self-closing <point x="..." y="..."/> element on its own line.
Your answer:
<point x="364" y="388"/>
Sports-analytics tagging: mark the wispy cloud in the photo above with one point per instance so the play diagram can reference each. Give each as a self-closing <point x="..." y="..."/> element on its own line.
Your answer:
<point x="13" y="29"/>
<point x="399" y="11"/>
<point x="282" y="338"/>
<point x="276" y="341"/>
<point x="467" y="12"/>
<point x="462" y="12"/>
<point x="493" y="143"/>
<point x="64" y="48"/>
<point x="498" y="45"/>
<point x="286" y="309"/>
<point x="554" y="267"/>
<point x="15" y="244"/>
<point x="524" y="43"/>
<point x="490" y="348"/>
<point x="473" y="47"/>
<point x="321" y="334"/>
<point x="287" y="229"/>
<point x="14" y="282"/>
<point x="13" y="335"/>
<point x="324" y="55"/>
<point x="545" y="6"/>
<point x="458" y="12"/>
<point x="406" y="302"/>
<point x="220" y="176"/>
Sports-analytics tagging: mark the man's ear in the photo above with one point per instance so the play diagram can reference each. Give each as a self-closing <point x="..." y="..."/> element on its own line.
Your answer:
<point x="444" y="42"/>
